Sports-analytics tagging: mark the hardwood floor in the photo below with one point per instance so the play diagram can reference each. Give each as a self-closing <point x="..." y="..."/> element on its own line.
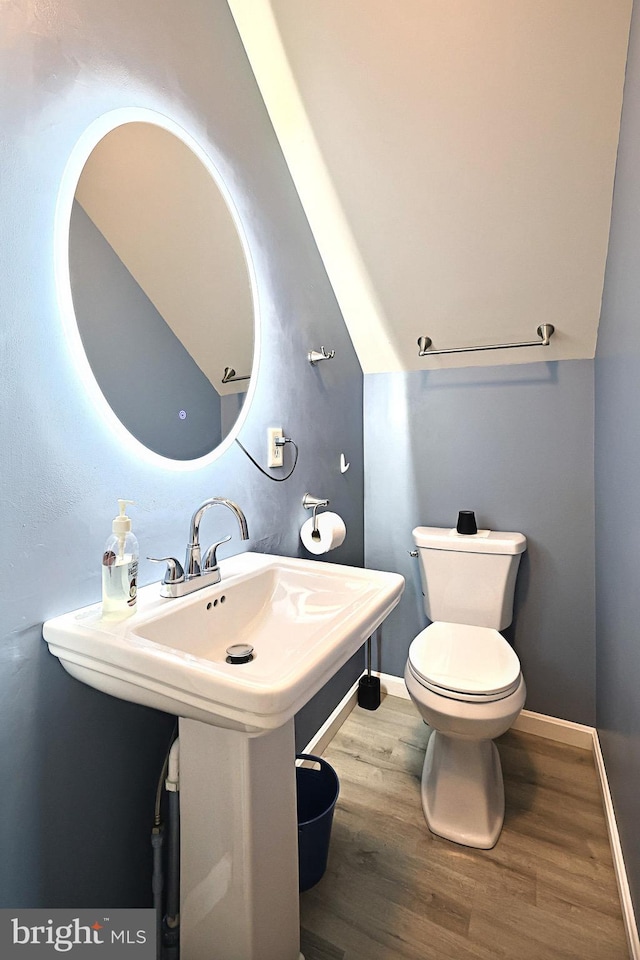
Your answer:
<point x="546" y="891"/>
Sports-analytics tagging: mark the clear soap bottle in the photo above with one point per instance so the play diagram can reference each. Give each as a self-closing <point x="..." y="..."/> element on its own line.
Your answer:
<point x="120" y="569"/>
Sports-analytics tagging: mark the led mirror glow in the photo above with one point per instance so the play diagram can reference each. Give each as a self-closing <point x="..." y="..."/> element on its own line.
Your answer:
<point x="156" y="287"/>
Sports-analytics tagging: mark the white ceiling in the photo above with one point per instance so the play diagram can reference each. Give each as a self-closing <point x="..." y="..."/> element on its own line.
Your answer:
<point x="455" y="160"/>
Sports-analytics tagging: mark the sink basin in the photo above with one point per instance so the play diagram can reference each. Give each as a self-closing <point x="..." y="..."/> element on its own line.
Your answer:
<point x="304" y="619"/>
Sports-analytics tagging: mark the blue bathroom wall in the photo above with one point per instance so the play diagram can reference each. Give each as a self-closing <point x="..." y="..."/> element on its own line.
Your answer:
<point x="515" y="444"/>
<point x="153" y="376"/>
<point x="80" y="768"/>
<point x="618" y="484"/>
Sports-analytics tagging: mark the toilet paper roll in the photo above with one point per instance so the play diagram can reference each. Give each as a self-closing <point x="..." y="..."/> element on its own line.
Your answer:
<point x="332" y="531"/>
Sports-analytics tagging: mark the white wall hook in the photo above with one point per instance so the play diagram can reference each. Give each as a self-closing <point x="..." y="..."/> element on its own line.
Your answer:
<point x="344" y="466"/>
<point x="314" y="356"/>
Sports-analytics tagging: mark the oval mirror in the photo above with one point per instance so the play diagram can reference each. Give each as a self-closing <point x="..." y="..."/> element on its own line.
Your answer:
<point x="162" y="290"/>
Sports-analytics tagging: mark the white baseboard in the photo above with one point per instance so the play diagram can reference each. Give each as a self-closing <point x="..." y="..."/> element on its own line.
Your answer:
<point x="550" y="728"/>
<point x="628" y="913"/>
<point x="393" y="686"/>
<point x="319" y="743"/>
<point x="553" y="728"/>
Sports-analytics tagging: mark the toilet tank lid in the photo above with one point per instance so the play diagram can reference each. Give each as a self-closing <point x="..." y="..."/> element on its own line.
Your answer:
<point x="484" y="541"/>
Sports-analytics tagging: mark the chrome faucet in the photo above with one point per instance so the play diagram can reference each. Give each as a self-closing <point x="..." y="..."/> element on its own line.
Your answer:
<point x="198" y="571"/>
<point x="194" y="566"/>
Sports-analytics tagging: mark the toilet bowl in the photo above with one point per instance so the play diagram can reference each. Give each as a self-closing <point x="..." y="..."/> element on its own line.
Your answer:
<point x="465" y="680"/>
<point x="467" y="705"/>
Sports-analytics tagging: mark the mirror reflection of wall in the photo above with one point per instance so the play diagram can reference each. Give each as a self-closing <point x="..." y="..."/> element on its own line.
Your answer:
<point x="161" y="290"/>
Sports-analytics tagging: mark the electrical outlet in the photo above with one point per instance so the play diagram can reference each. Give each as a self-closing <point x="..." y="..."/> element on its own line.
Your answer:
<point x="274" y="452"/>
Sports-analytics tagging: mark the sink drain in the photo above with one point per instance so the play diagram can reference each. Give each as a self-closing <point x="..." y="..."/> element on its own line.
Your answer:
<point x="239" y="653"/>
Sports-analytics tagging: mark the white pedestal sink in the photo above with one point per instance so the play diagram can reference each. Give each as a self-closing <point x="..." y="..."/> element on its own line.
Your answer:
<point x="304" y="619"/>
<point x="239" y="856"/>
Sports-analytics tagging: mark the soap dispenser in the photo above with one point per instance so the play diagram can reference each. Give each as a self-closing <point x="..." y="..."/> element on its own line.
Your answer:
<point x="120" y="569"/>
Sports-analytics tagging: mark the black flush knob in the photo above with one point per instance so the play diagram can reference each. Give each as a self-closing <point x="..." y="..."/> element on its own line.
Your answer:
<point x="467" y="522"/>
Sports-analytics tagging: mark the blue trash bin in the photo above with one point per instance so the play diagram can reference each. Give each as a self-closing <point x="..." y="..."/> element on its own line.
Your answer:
<point x="317" y="793"/>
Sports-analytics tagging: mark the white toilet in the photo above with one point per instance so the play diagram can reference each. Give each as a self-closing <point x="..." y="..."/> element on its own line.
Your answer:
<point x="465" y="678"/>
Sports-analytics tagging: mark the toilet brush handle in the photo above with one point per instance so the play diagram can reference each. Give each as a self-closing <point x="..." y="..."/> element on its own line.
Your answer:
<point x="368" y="686"/>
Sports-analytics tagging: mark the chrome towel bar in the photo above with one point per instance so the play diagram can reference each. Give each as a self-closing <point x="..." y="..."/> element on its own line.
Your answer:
<point x="545" y="332"/>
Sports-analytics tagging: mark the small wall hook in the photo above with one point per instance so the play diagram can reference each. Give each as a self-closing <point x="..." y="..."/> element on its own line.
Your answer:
<point x="344" y="466"/>
<point x="314" y="355"/>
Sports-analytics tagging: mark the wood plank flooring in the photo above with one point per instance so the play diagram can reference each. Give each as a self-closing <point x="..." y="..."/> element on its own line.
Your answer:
<point x="546" y="891"/>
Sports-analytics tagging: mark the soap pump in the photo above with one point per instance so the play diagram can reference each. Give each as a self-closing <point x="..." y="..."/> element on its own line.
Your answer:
<point x="120" y="568"/>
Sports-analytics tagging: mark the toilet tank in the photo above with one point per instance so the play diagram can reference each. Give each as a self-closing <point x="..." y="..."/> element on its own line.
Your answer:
<point x="469" y="579"/>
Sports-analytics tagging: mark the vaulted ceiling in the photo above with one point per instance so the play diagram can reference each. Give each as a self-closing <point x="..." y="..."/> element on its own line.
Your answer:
<point x="455" y="160"/>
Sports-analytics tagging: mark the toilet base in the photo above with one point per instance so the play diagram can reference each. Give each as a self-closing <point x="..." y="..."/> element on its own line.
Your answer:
<point x="463" y="791"/>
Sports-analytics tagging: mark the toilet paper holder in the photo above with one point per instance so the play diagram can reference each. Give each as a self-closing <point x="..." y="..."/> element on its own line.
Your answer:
<point x="314" y="503"/>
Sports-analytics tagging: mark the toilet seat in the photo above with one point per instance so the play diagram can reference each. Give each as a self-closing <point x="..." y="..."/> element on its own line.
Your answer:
<point x="463" y="662"/>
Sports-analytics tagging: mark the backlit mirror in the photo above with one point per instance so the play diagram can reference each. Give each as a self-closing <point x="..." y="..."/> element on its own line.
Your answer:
<point x="162" y="291"/>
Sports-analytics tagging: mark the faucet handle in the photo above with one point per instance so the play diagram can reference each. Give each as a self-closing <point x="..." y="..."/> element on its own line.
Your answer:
<point x="210" y="561"/>
<point x="174" y="572"/>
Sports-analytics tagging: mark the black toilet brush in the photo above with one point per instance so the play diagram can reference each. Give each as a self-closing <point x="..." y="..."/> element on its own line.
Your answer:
<point x="369" y="687"/>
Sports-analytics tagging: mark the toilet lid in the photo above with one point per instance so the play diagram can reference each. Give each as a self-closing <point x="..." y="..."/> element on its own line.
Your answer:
<point x="465" y="660"/>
